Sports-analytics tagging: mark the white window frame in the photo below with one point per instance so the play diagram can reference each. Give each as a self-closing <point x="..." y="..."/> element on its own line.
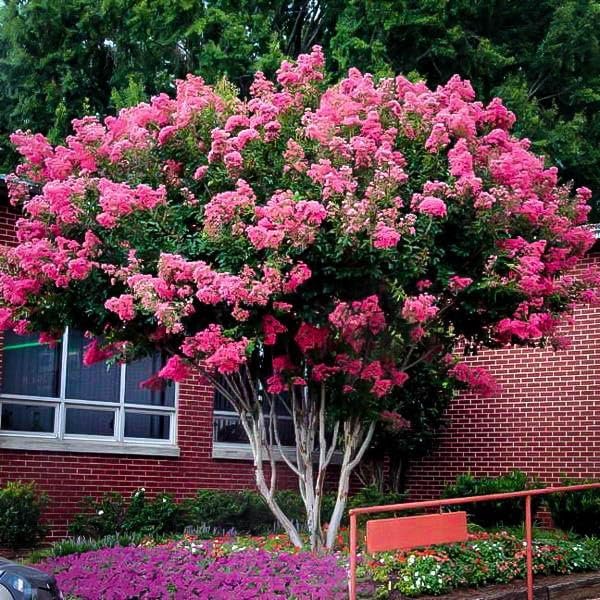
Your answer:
<point x="117" y="443"/>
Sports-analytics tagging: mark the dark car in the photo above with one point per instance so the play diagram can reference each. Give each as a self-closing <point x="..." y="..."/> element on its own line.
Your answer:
<point x="18" y="582"/>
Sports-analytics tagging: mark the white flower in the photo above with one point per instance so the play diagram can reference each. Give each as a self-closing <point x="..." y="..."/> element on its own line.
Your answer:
<point x="164" y="500"/>
<point x="100" y="512"/>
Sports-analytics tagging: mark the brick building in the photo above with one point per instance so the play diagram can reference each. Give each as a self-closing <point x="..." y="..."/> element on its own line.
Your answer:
<point x="81" y="432"/>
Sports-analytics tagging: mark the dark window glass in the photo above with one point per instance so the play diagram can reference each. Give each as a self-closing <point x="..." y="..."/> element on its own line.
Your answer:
<point x="227" y="429"/>
<point x="30" y="368"/>
<point x="281" y="404"/>
<point x="26" y="417"/>
<point x="99" y="382"/>
<point x="143" y="425"/>
<point x="82" y="421"/>
<point x="139" y="371"/>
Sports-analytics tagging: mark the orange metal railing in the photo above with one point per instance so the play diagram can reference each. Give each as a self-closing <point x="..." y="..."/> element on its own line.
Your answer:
<point x="411" y="532"/>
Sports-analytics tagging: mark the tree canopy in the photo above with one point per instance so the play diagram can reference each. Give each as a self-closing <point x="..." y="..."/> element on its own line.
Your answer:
<point x="314" y="244"/>
<point x="59" y="60"/>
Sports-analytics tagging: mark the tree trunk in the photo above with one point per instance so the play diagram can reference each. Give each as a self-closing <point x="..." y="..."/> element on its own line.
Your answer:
<point x="310" y="464"/>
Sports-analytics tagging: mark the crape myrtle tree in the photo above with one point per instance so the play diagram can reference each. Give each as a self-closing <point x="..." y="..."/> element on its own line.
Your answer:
<point x="314" y="244"/>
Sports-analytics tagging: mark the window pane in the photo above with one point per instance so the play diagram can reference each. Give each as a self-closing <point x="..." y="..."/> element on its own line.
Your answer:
<point x="139" y="371"/>
<point x="144" y="425"/>
<point x="228" y="430"/>
<point x="82" y="421"/>
<point x="30" y="368"/>
<point x="25" y="417"/>
<point x="98" y="382"/>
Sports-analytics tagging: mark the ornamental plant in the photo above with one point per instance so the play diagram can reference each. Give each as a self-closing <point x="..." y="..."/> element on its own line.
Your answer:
<point x="311" y="243"/>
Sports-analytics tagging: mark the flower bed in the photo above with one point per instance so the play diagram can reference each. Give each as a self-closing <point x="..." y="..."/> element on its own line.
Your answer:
<point x="183" y="571"/>
<point x="485" y="559"/>
<point x="271" y="568"/>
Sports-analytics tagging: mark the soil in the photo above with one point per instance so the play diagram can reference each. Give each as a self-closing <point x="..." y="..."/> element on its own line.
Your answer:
<point x="569" y="587"/>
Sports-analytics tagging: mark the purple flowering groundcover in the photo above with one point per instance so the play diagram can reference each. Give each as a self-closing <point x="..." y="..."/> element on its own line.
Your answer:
<point x="173" y="572"/>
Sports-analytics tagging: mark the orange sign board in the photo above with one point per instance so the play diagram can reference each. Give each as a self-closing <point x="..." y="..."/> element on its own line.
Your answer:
<point x="405" y="533"/>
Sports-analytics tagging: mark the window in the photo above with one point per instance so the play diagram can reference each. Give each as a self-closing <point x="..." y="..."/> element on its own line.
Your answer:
<point x="228" y="430"/>
<point x="48" y="392"/>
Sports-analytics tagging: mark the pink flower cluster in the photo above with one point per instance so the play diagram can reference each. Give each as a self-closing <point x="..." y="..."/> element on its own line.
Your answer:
<point x="356" y="320"/>
<point x="419" y="309"/>
<point x="118" y="200"/>
<point x="276" y="208"/>
<point x="284" y="218"/>
<point x="216" y="351"/>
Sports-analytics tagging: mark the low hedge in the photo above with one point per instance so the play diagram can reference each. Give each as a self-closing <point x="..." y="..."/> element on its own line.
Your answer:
<point x="496" y="512"/>
<point x="576" y="511"/>
<point x="208" y="513"/>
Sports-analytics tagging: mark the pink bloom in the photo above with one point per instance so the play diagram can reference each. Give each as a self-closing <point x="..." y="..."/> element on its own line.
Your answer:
<point x="432" y="206"/>
<point x="385" y="236"/>
<point x="381" y="387"/>
<point x="271" y="329"/>
<point x="276" y="384"/>
<point x="5" y="318"/>
<point x="94" y="353"/>
<point x="228" y="357"/>
<point x="418" y="309"/>
<point x="154" y="383"/>
<point x="175" y="369"/>
<point x="233" y="161"/>
<point x="458" y="283"/>
<point x="297" y="276"/>
<point x="310" y="337"/>
<point x="200" y="172"/>
<point x="477" y="379"/>
<point x="123" y="306"/>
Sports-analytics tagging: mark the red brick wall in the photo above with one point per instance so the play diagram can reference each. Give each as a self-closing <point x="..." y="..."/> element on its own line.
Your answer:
<point x="545" y="422"/>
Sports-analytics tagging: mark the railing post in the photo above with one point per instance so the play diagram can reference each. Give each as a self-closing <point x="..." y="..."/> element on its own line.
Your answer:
<point x="353" y="549"/>
<point x="529" y="550"/>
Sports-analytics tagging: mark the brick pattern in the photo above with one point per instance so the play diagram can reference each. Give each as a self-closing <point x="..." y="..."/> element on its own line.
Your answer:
<point x="546" y="421"/>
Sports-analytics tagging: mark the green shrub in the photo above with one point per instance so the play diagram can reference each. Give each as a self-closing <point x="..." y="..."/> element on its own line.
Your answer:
<point x="496" y="512"/>
<point x="21" y="506"/>
<point x="576" y="511"/>
<point x="99" y="518"/>
<point x="371" y="495"/>
<point x="113" y="515"/>
<point x="242" y="511"/>
<point x="153" y="517"/>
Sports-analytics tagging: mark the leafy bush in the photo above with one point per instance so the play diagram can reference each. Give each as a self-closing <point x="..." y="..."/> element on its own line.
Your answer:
<point x="577" y="511"/>
<point x="153" y="517"/>
<point x="496" y="512"/>
<point x="99" y="518"/>
<point x="242" y="511"/>
<point x="113" y="515"/>
<point x="208" y="513"/>
<point x="371" y="495"/>
<point x="484" y="559"/>
<point x="21" y="506"/>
